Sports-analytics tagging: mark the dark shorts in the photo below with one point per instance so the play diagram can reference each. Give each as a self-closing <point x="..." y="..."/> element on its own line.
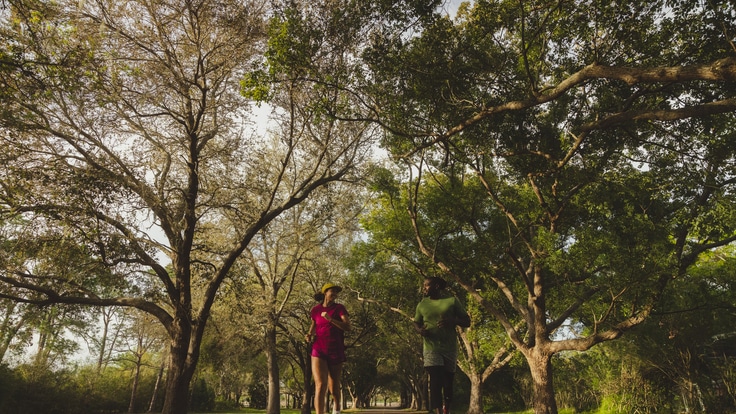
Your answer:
<point x="333" y="357"/>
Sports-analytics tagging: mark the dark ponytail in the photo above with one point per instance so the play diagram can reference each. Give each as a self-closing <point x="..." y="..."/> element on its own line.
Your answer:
<point x="319" y="296"/>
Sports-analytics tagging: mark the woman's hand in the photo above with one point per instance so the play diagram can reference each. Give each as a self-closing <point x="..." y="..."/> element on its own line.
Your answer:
<point x="343" y="322"/>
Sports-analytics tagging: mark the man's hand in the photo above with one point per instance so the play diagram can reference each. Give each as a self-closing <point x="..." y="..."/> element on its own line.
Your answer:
<point x="421" y="330"/>
<point x="449" y="323"/>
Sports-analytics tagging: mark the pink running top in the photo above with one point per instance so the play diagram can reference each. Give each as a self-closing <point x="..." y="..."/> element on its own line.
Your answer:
<point x="329" y="340"/>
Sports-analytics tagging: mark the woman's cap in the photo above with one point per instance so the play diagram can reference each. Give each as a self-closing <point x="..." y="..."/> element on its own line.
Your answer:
<point x="327" y="286"/>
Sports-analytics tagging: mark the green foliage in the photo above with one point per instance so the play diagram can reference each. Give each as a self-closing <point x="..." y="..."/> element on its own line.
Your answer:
<point x="504" y="391"/>
<point x="690" y="338"/>
<point x="293" y="41"/>
<point x="9" y="384"/>
<point x="597" y="198"/>
<point x="576" y="209"/>
<point x="35" y="390"/>
<point x="611" y="378"/>
<point x="29" y="389"/>
<point x="258" y="394"/>
<point x="255" y="86"/>
<point x="203" y="397"/>
<point x="110" y="389"/>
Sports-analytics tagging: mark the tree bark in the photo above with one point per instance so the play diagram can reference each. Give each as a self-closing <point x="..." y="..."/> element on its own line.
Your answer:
<point x="183" y="357"/>
<point x="160" y="375"/>
<point x="103" y="340"/>
<point x="136" y="380"/>
<point x="177" y="386"/>
<point x="540" y="366"/>
<point x="273" y="406"/>
<point x="421" y="402"/>
<point x="308" y="395"/>
<point x="475" y="405"/>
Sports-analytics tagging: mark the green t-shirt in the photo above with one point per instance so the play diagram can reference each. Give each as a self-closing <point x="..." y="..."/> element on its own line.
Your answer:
<point x="428" y="313"/>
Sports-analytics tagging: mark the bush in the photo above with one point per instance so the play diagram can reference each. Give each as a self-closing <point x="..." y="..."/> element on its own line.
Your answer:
<point x="29" y="389"/>
<point x="9" y="383"/>
<point x="203" y="397"/>
<point x="258" y="393"/>
<point x="39" y="390"/>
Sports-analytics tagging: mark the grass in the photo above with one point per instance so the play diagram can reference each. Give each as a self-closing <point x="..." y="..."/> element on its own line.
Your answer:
<point x="290" y="411"/>
<point x="398" y="411"/>
<point x="358" y="411"/>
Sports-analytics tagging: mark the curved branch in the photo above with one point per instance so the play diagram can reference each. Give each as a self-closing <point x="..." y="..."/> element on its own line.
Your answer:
<point x="54" y="297"/>
<point x="723" y="70"/>
<point x="383" y="304"/>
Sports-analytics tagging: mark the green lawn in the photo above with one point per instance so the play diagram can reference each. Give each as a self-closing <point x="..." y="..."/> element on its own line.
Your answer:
<point x="356" y="411"/>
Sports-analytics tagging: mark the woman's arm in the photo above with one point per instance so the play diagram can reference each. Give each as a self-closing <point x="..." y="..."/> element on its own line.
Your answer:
<point x="342" y="323"/>
<point x="310" y="332"/>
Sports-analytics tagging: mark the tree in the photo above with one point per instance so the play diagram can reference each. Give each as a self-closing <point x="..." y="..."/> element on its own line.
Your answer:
<point x="125" y="132"/>
<point x="606" y="160"/>
<point x="484" y="347"/>
<point x="50" y="325"/>
<point x="387" y="288"/>
<point x="143" y="338"/>
<point x="14" y="325"/>
<point x="486" y="352"/>
<point x="112" y="321"/>
<point x="687" y="341"/>
<point x="278" y="258"/>
<point x="296" y="351"/>
<point x="366" y="350"/>
<point x="230" y="351"/>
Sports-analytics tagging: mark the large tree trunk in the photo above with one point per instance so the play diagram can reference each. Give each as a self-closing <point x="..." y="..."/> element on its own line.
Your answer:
<point x="308" y="395"/>
<point x="475" y="405"/>
<point x="543" y="400"/>
<point x="183" y="358"/>
<point x="420" y="393"/>
<point x="362" y="402"/>
<point x="274" y="390"/>
<point x="404" y="396"/>
<point x="177" y="385"/>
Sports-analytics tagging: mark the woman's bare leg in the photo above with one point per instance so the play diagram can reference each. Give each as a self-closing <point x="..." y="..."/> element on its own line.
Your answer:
<point x="335" y="383"/>
<point x="320" y="372"/>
